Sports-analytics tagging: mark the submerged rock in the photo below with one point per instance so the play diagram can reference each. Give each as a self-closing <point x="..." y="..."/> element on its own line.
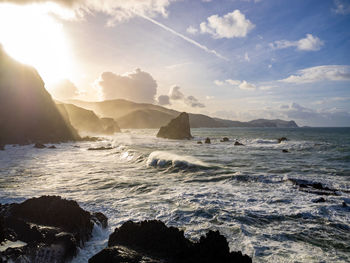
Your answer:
<point x="39" y="145"/>
<point x="285" y="151"/>
<point x="153" y="241"/>
<point x="178" y="128"/>
<point x="319" y="200"/>
<point x="313" y="187"/>
<point x="102" y="148"/>
<point x="237" y="143"/>
<point x="282" y="139"/>
<point x="225" y="139"/>
<point x="51" y="227"/>
<point x="199" y="142"/>
<point x="52" y="147"/>
<point x="207" y="140"/>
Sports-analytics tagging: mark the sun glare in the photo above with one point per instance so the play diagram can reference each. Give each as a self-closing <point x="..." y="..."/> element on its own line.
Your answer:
<point x="32" y="36"/>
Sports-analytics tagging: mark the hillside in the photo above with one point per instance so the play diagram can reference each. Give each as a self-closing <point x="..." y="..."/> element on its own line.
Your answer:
<point x="86" y="121"/>
<point x="142" y="115"/>
<point x="27" y="111"/>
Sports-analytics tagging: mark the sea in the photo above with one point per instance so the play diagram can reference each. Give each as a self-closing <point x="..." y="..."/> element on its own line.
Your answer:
<point x="245" y="192"/>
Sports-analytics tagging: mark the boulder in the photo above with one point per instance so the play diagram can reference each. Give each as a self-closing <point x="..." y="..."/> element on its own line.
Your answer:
<point x="282" y="139"/>
<point x="178" y="128"/>
<point x="52" y="147"/>
<point x="51" y="227"/>
<point x="319" y="200"/>
<point x="102" y="148"/>
<point x="39" y="145"/>
<point x="153" y="241"/>
<point x="199" y="142"/>
<point x="207" y="140"/>
<point x="285" y="151"/>
<point x="237" y="143"/>
<point x="225" y="139"/>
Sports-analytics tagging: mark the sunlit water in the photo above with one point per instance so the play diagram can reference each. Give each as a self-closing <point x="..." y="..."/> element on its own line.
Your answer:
<point x="243" y="191"/>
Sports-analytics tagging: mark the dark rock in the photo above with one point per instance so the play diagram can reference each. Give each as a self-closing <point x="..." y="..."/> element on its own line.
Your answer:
<point x="285" y="151"/>
<point x="52" y="147"/>
<point x="199" y="142"/>
<point x="154" y="241"/>
<point x="319" y="200"/>
<point x="102" y="148"/>
<point x="178" y="128"/>
<point x="207" y="140"/>
<point x="52" y="227"/>
<point x="237" y="143"/>
<point x="27" y="110"/>
<point x="282" y="139"/>
<point x="344" y="204"/>
<point x="39" y="145"/>
<point x="100" y="219"/>
<point x="313" y="187"/>
<point x="225" y="139"/>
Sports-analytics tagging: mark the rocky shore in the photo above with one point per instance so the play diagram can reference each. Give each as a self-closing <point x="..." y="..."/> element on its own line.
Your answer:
<point x="51" y="229"/>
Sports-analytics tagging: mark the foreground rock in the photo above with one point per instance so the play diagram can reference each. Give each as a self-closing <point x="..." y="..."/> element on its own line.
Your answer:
<point x="178" y="128"/>
<point x="153" y="241"/>
<point x="207" y="140"/>
<point x="51" y="228"/>
<point x="102" y="148"/>
<point x="27" y="111"/>
<point x="237" y="143"/>
<point x="225" y="139"/>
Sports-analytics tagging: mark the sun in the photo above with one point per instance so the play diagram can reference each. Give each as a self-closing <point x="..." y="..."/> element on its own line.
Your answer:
<point x="33" y="36"/>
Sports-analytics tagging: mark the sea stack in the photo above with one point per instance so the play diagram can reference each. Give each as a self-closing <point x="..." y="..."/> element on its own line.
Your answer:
<point x="178" y="128"/>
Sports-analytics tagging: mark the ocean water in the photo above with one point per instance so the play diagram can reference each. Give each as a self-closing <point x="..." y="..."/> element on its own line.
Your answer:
<point x="243" y="191"/>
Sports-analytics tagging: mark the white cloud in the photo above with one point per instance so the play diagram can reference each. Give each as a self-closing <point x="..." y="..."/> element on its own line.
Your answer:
<point x="192" y="30"/>
<point x="247" y="86"/>
<point x="320" y="73"/>
<point x="342" y="7"/>
<point x="219" y="82"/>
<point x="231" y="25"/>
<point x="309" y="43"/>
<point x="176" y="95"/>
<point x="246" y="57"/>
<point x="64" y="90"/>
<point x="233" y="82"/>
<point x="138" y="86"/>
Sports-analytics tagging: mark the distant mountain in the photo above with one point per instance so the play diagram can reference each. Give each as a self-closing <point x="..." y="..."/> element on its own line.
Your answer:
<point x="86" y="121"/>
<point x="142" y="116"/>
<point x="27" y="111"/>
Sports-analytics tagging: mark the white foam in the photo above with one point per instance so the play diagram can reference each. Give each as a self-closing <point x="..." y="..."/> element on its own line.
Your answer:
<point x="163" y="158"/>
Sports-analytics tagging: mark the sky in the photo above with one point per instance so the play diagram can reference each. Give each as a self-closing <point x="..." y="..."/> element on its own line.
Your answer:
<point x="233" y="59"/>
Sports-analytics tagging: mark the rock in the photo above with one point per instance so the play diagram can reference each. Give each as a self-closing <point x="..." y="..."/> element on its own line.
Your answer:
<point x="178" y="128"/>
<point x="102" y="148"/>
<point x="39" y="145"/>
<point x="207" y="140"/>
<point x="285" y="151"/>
<point x="52" y="228"/>
<point x="282" y="139"/>
<point x="344" y="204"/>
<point x="199" y="142"/>
<point x="237" y="143"/>
<point x="313" y="187"/>
<point x="28" y="112"/>
<point x="319" y="200"/>
<point x="225" y="139"/>
<point x="100" y="219"/>
<point x="154" y="241"/>
<point x="52" y="147"/>
<point x="2" y="147"/>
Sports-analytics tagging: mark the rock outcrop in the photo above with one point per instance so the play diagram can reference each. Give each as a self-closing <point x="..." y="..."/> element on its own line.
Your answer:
<point x="27" y="111"/>
<point x="153" y="241"/>
<point x="51" y="228"/>
<point x="178" y="128"/>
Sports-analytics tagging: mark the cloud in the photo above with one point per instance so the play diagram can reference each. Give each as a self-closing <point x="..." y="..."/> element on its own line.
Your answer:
<point x="192" y="30"/>
<point x="176" y="95"/>
<point x="342" y="7"/>
<point x="138" y="86"/>
<point x="231" y="25"/>
<point x="64" y="90"/>
<point x="163" y="100"/>
<point x="247" y="86"/>
<point x="320" y="73"/>
<point x="309" y="43"/>
<point x="233" y="82"/>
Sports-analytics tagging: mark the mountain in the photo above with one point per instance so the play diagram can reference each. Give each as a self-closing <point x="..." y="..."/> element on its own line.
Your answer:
<point x="142" y="115"/>
<point x="86" y="121"/>
<point x="27" y="111"/>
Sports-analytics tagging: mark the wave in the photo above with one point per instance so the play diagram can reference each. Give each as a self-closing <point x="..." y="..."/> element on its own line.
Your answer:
<point x="163" y="159"/>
